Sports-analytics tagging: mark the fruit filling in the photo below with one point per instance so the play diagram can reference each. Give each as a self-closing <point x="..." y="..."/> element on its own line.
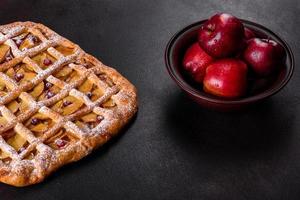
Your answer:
<point x="5" y="53"/>
<point x="109" y="104"/>
<point x="61" y="139"/>
<point x="67" y="74"/>
<point x="44" y="60"/>
<point x="16" y="141"/>
<point x="21" y="73"/>
<point x="16" y="106"/>
<point x="4" y="89"/>
<point x="91" y="90"/>
<point x="26" y="41"/>
<point x="65" y="50"/>
<point x="39" y="124"/>
<point x="46" y="91"/>
<point x="88" y="121"/>
<point x="37" y="91"/>
<point x="67" y="105"/>
<point x="94" y="92"/>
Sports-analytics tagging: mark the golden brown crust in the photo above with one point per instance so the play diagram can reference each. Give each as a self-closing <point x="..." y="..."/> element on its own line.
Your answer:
<point x="22" y="172"/>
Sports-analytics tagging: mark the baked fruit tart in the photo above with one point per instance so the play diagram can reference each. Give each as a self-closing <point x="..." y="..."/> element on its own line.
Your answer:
<point x="57" y="103"/>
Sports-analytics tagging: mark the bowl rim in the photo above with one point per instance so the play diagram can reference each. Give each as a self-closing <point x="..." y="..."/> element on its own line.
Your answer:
<point x="187" y="88"/>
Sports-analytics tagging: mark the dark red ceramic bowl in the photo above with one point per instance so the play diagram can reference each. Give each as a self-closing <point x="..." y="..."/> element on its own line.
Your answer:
<point x="184" y="38"/>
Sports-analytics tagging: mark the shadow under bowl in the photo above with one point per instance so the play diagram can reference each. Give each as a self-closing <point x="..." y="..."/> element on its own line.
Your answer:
<point x="184" y="38"/>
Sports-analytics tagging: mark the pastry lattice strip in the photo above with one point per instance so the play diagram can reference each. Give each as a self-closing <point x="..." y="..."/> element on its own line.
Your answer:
<point x="11" y="33"/>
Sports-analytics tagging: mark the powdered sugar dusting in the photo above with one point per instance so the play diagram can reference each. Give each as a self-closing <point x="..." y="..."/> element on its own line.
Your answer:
<point x="11" y="33"/>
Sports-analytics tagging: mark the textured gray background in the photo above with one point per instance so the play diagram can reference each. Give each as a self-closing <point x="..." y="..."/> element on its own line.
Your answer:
<point x="174" y="149"/>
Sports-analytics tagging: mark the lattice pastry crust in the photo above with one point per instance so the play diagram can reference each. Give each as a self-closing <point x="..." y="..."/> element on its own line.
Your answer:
<point x="57" y="102"/>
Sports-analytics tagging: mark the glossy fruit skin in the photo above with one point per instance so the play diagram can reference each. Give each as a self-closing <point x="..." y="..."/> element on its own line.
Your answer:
<point x="264" y="56"/>
<point x="249" y="34"/>
<point x="221" y="36"/>
<point x="226" y="78"/>
<point x="195" y="62"/>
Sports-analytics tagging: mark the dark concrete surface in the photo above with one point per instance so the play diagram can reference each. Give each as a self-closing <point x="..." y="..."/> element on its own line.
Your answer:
<point x="173" y="149"/>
